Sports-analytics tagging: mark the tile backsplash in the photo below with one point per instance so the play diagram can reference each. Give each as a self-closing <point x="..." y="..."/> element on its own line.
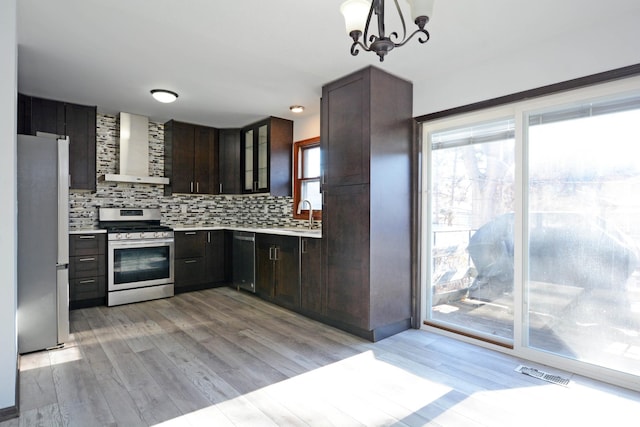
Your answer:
<point x="178" y="209"/>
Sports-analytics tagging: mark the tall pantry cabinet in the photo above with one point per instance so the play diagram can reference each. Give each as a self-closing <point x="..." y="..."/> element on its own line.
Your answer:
<point x="366" y="136"/>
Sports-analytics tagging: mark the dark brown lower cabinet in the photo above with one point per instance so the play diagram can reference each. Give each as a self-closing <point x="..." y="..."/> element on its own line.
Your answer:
<point x="311" y="275"/>
<point x="199" y="260"/>
<point x="345" y="230"/>
<point x="87" y="270"/>
<point x="278" y="269"/>
<point x="215" y="259"/>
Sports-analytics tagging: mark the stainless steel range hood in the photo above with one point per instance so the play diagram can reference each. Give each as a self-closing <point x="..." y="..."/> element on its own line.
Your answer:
<point x="134" y="152"/>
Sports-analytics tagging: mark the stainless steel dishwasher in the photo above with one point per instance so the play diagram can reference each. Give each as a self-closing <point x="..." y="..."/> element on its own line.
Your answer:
<point x="244" y="260"/>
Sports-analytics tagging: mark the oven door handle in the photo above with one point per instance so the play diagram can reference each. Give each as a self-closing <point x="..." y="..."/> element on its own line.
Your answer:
<point x="139" y="243"/>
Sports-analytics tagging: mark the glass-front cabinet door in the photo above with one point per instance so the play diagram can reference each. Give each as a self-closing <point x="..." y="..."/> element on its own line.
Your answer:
<point x="263" y="158"/>
<point x="255" y="159"/>
<point x="249" y="173"/>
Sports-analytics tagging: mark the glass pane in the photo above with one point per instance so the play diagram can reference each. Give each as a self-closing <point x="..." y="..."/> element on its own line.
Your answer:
<point x="583" y="288"/>
<point x="262" y="157"/>
<point x="140" y="264"/>
<point x="248" y="160"/>
<point x="472" y="202"/>
<point x="311" y="162"/>
<point x="311" y="192"/>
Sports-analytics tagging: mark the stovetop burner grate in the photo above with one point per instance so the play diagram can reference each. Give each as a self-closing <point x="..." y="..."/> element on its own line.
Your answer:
<point x="118" y="228"/>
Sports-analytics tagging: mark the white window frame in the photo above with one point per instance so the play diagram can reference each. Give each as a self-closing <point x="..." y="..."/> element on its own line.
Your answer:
<point x="519" y="111"/>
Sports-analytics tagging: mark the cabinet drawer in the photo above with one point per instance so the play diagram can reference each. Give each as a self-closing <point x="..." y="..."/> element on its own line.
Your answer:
<point x="87" y="288"/>
<point x="189" y="271"/>
<point x="87" y="244"/>
<point x="86" y="266"/>
<point x="190" y="244"/>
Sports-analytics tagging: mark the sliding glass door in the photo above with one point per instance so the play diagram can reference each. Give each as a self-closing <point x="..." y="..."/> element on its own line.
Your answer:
<point x="532" y="228"/>
<point x="583" y="287"/>
<point x="471" y="229"/>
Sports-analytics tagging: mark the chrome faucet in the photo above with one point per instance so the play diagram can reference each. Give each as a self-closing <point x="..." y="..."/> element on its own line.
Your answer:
<point x="302" y="202"/>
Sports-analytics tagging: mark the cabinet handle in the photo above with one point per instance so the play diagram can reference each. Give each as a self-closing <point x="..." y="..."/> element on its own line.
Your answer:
<point x="85" y="282"/>
<point x="197" y="186"/>
<point x="86" y="259"/>
<point x="190" y="261"/>
<point x="255" y="186"/>
<point x="208" y="237"/>
<point x="276" y="253"/>
<point x="304" y="246"/>
<point x="220" y="188"/>
<point x="191" y="187"/>
<point x="88" y="237"/>
<point x="189" y="233"/>
<point x="270" y="253"/>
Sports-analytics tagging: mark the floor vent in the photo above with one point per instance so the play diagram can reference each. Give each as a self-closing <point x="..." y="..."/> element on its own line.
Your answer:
<point x="533" y="372"/>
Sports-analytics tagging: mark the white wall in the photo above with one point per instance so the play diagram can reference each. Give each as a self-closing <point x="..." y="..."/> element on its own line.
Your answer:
<point x="613" y="44"/>
<point x="306" y="127"/>
<point x="8" y="85"/>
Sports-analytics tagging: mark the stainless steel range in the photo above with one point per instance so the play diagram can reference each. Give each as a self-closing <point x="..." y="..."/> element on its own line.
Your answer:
<point x="139" y="255"/>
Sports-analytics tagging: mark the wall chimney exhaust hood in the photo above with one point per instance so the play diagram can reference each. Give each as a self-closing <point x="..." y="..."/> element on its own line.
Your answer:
<point x="134" y="152"/>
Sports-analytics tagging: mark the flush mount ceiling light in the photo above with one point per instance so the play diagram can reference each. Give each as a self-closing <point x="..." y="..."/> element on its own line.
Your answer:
<point x="357" y="17"/>
<point x="165" y="96"/>
<point x="296" y="108"/>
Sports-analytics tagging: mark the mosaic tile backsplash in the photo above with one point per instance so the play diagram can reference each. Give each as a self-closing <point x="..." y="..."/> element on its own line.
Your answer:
<point x="178" y="209"/>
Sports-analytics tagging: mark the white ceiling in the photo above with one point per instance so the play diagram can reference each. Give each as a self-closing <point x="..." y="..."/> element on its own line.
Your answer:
<point x="234" y="62"/>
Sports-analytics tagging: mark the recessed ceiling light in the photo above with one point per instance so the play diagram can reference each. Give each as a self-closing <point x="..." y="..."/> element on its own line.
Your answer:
<point x="296" y="108"/>
<point x="163" y="95"/>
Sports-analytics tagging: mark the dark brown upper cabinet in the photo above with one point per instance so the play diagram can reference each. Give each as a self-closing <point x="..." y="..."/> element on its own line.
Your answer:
<point x="229" y="161"/>
<point x="265" y="157"/>
<point x="190" y="158"/>
<point x="78" y="122"/>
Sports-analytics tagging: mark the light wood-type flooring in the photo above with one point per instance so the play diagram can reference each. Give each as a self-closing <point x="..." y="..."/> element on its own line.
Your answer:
<point x="225" y="358"/>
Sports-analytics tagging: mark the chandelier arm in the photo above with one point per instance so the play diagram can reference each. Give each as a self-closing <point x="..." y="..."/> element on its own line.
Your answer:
<point x="419" y="31"/>
<point x="354" y="48"/>
<point x="404" y="27"/>
<point x="366" y="27"/>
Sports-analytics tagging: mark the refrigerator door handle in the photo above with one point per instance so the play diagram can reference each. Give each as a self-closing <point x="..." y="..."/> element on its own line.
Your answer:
<point x="63" y="201"/>
<point x="62" y="282"/>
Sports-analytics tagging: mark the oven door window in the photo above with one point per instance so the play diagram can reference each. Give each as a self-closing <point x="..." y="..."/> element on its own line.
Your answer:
<point x="141" y="264"/>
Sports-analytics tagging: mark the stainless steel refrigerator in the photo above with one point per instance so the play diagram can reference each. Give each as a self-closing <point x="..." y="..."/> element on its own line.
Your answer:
<point x="43" y="242"/>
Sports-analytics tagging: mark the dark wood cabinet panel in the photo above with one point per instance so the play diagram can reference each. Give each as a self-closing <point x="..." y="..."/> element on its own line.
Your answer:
<point x="190" y="158"/>
<point x="287" y="271"/>
<point x="215" y="257"/>
<point x="78" y="122"/>
<point x="87" y="270"/>
<point x="229" y="161"/>
<point x="311" y="274"/>
<point x="47" y="116"/>
<point x="90" y="288"/>
<point x="87" y="266"/>
<point x="264" y="267"/>
<point x="87" y="244"/>
<point x="24" y="114"/>
<point x="179" y="153"/>
<point x="205" y="168"/>
<point x="189" y="272"/>
<point x="345" y="228"/>
<point x="189" y="244"/>
<point x="345" y="130"/>
<point x="278" y="269"/>
<point x="200" y="259"/>
<point x="80" y="126"/>
<point x="366" y="127"/>
<point x="265" y="157"/>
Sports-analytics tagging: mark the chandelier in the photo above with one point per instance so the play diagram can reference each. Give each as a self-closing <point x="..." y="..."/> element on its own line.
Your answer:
<point x="357" y="17"/>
